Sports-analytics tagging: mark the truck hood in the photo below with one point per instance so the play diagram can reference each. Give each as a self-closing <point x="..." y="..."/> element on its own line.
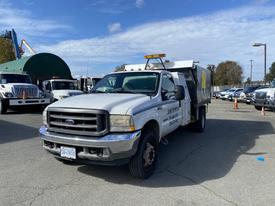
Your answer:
<point x="113" y="103"/>
<point x="265" y="90"/>
<point x="269" y="92"/>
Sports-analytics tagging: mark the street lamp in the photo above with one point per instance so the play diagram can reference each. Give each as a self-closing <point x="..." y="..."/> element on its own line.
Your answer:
<point x="264" y="45"/>
<point x="251" y="66"/>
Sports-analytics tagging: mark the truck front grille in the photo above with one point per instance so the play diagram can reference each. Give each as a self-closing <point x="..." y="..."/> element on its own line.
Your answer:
<point x="30" y="91"/>
<point x="260" y="95"/>
<point x="78" y="121"/>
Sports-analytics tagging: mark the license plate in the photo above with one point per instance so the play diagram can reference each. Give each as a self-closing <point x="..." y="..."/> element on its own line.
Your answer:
<point x="68" y="152"/>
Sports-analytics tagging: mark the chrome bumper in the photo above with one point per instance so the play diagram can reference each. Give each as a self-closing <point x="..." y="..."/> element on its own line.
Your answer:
<point x="24" y="102"/>
<point x="111" y="147"/>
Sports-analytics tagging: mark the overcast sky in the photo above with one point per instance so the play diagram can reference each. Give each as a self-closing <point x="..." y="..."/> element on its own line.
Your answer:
<point x="95" y="36"/>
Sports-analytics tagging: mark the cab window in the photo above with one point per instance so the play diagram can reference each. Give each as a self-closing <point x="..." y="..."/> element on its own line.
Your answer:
<point x="168" y="88"/>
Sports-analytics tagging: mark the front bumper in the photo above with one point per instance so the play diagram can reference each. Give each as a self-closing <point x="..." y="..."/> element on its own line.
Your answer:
<point x="111" y="149"/>
<point x="264" y="103"/>
<point x="248" y="100"/>
<point x="224" y="97"/>
<point x="25" y="102"/>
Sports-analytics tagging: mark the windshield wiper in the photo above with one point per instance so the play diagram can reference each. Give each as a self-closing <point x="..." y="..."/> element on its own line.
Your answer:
<point x="129" y="92"/>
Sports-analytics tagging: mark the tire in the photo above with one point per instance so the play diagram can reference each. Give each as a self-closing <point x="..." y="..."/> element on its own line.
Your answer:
<point x="3" y="107"/>
<point x="142" y="165"/>
<point x="259" y="108"/>
<point x="199" y="126"/>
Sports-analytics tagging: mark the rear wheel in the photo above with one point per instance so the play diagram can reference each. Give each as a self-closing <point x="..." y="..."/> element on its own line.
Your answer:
<point x="143" y="163"/>
<point x="199" y="125"/>
<point x="3" y="107"/>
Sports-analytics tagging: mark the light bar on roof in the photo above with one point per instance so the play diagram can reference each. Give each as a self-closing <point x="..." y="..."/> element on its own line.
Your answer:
<point x="154" y="56"/>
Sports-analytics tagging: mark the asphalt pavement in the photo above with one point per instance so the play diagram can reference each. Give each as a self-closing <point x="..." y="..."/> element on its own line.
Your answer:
<point x="231" y="163"/>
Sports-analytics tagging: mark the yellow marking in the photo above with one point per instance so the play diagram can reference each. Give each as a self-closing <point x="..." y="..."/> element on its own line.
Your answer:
<point x="203" y="80"/>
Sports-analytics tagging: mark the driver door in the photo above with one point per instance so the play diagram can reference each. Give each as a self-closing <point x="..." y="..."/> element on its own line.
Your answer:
<point x="169" y="111"/>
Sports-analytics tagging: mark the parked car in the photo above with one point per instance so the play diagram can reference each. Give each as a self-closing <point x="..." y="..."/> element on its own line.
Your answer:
<point x="247" y="94"/>
<point x="216" y="94"/>
<point x="264" y="97"/>
<point x="221" y="93"/>
<point x="234" y="95"/>
<point x="225" y="95"/>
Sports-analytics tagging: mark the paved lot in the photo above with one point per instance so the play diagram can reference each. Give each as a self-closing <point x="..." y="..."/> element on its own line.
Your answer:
<point x="218" y="167"/>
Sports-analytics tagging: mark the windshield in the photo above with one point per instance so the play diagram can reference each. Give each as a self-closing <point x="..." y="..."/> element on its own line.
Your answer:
<point x="231" y="90"/>
<point x="134" y="82"/>
<point x="59" y="85"/>
<point x="249" y="89"/>
<point x="14" y="78"/>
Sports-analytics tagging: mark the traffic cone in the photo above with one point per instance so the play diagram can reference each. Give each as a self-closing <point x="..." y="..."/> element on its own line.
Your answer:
<point x="263" y="111"/>
<point x="236" y="104"/>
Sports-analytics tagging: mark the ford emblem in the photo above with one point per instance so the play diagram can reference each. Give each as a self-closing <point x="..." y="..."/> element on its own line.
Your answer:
<point x="69" y="122"/>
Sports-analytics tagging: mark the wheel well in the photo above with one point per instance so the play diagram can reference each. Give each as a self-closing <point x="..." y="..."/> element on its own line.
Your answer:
<point x="152" y="125"/>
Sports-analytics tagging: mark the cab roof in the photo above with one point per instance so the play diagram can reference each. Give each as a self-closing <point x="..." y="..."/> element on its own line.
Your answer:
<point x="159" y="66"/>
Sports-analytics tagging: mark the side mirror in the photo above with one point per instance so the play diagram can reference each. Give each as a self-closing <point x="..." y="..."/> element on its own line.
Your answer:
<point x="180" y="92"/>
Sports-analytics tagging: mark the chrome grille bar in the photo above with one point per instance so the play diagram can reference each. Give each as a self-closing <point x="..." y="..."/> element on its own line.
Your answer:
<point x="30" y="90"/>
<point x="78" y="121"/>
<point x="260" y="95"/>
<point x="73" y="117"/>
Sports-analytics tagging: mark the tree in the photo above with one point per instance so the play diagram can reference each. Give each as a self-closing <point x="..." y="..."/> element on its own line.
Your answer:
<point x="228" y="73"/>
<point x="6" y="51"/>
<point x="120" y="68"/>
<point x="271" y="75"/>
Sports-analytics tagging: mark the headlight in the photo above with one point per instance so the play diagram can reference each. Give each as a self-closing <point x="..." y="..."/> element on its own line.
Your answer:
<point x="45" y="122"/>
<point x="8" y="94"/>
<point x="122" y="123"/>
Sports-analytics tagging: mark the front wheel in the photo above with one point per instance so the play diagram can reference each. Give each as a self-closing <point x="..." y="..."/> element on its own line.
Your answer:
<point x="143" y="163"/>
<point x="3" y="107"/>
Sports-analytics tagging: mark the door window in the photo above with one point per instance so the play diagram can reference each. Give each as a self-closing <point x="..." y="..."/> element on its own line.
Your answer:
<point x="168" y="88"/>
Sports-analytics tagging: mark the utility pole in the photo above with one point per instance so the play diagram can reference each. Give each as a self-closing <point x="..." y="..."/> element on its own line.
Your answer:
<point x="264" y="45"/>
<point x="264" y="63"/>
<point x="251" y="66"/>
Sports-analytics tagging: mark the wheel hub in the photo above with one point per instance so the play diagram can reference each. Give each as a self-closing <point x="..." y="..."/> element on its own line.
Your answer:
<point x="149" y="155"/>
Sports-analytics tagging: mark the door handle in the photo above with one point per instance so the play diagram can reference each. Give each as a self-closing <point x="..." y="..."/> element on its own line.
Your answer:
<point x="159" y="108"/>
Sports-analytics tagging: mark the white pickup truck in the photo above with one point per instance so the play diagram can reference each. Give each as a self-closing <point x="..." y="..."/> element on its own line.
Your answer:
<point x="127" y="115"/>
<point x="17" y="90"/>
<point x="57" y="89"/>
<point x="264" y="97"/>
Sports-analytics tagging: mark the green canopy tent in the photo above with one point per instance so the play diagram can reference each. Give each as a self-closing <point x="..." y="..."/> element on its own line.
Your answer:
<point x="40" y="67"/>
